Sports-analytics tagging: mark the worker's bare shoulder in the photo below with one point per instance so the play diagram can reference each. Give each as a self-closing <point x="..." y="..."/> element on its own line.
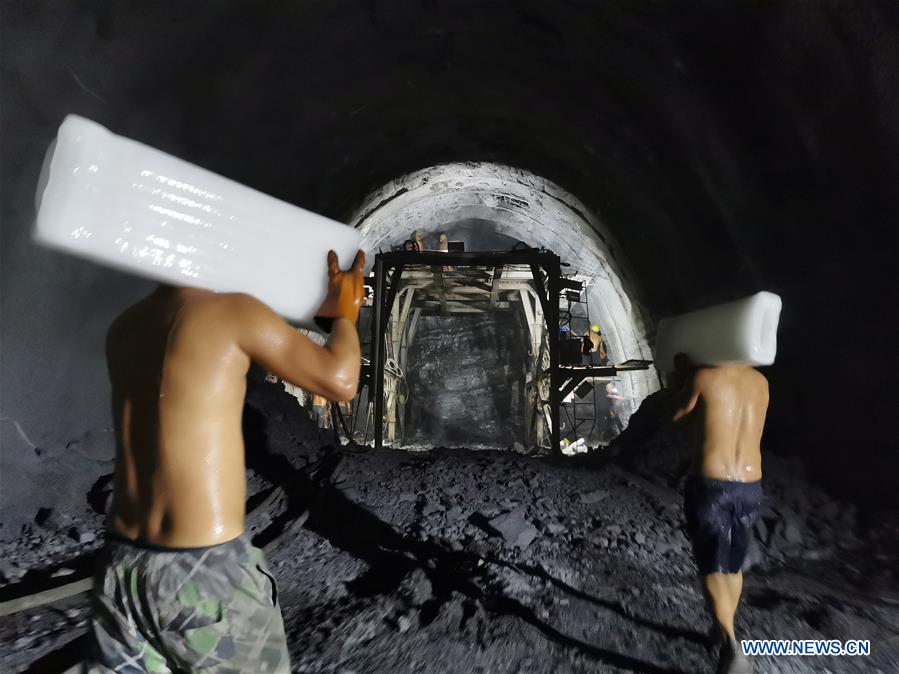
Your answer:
<point x="247" y="310"/>
<point x="232" y="316"/>
<point x="714" y="381"/>
<point x="760" y="380"/>
<point x="241" y="302"/>
<point x="224" y="306"/>
<point x="758" y="376"/>
<point x="705" y="377"/>
<point x="246" y="316"/>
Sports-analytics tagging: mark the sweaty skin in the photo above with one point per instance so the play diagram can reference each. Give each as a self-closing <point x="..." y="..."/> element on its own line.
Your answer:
<point x="733" y="401"/>
<point x="598" y="343"/>
<point x="177" y="363"/>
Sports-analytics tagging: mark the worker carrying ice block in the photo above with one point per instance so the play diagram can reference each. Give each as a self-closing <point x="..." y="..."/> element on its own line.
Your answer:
<point x="180" y="587"/>
<point x="725" y="400"/>
<point x="123" y="204"/>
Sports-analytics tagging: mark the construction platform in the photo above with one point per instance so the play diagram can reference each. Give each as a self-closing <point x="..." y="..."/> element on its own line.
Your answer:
<point x="410" y="284"/>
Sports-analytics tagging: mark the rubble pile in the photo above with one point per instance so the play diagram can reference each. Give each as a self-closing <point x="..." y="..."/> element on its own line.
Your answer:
<point x="798" y="520"/>
<point x="456" y="561"/>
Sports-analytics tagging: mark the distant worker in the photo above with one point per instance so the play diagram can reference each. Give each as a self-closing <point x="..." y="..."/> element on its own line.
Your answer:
<point x="443" y="247"/>
<point x="728" y="403"/>
<point x="419" y="240"/>
<point x="594" y="349"/>
<point x="321" y="411"/>
<point x="614" y="397"/>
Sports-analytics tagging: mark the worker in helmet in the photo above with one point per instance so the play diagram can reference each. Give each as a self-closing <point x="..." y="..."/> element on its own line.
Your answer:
<point x="594" y="350"/>
<point x="443" y="247"/>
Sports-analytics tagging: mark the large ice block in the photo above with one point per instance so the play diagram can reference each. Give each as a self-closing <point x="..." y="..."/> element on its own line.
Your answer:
<point x="744" y="331"/>
<point x="121" y="203"/>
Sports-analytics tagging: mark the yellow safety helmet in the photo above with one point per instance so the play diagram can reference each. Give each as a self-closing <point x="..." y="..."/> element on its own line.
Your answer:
<point x="594" y="328"/>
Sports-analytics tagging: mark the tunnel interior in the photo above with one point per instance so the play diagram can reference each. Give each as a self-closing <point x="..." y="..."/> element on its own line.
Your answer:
<point x="677" y="154"/>
<point x="491" y="207"/>
<point x="725" y="150"/>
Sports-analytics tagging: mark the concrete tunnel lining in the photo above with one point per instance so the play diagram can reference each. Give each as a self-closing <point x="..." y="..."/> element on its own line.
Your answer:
<point x="532" y="209"/>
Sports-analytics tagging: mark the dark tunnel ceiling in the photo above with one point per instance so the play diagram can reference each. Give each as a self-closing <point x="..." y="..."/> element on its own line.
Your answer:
<point x="730" y="146"/>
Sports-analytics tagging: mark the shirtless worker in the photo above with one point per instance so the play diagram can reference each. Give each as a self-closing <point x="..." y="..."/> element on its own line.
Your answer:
<point x="594" y="350"/>
<point x="722" y="497"/>
<point x="180" y="587"/>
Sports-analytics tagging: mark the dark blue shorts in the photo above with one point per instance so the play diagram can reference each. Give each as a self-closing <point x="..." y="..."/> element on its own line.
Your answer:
<point x="720" y="516"/>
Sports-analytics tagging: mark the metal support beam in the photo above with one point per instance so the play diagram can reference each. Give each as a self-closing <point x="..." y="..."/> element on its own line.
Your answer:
<point x="571" y="376"/>
<point x="455" y="279"/>
<point x="542" y="290"/>
<point x="469" y="259"/>
<point x="386" y="310"/>
<point x="440" y="286"/>
<point x="494" y="290"/>
<point x="391" y="294"/>
<point x="553" y="274"/>
<point x="570" y="385"/>
<point x="377" y="355"/>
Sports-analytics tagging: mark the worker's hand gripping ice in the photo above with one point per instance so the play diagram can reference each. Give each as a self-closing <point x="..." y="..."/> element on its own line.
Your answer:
<point x="345" y="289"/>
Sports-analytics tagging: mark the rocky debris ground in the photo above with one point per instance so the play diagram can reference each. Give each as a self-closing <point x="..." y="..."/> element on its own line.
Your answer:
<point x="798" y="521"/>
<point x="484" y="561"/>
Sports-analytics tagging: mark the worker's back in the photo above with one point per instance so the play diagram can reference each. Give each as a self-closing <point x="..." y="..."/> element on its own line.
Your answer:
<point x="721" y="504"/>
<point x="178" y="381"/>
<point x="177" y="363"/>
<point x="734" y="403"/>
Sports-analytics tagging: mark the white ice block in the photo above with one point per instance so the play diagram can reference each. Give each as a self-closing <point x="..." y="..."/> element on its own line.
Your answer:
<point x="744" y="331"/>
<point x="121" y="203"/>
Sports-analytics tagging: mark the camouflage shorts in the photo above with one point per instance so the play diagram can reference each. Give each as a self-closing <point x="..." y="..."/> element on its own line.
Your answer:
<point x="209" y="609"/>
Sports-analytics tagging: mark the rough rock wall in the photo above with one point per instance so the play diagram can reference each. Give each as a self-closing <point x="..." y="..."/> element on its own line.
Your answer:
<point x="466" y="379"/>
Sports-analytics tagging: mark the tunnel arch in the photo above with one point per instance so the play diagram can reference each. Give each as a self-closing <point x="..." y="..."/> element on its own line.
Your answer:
<point x="523" y="206"/>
